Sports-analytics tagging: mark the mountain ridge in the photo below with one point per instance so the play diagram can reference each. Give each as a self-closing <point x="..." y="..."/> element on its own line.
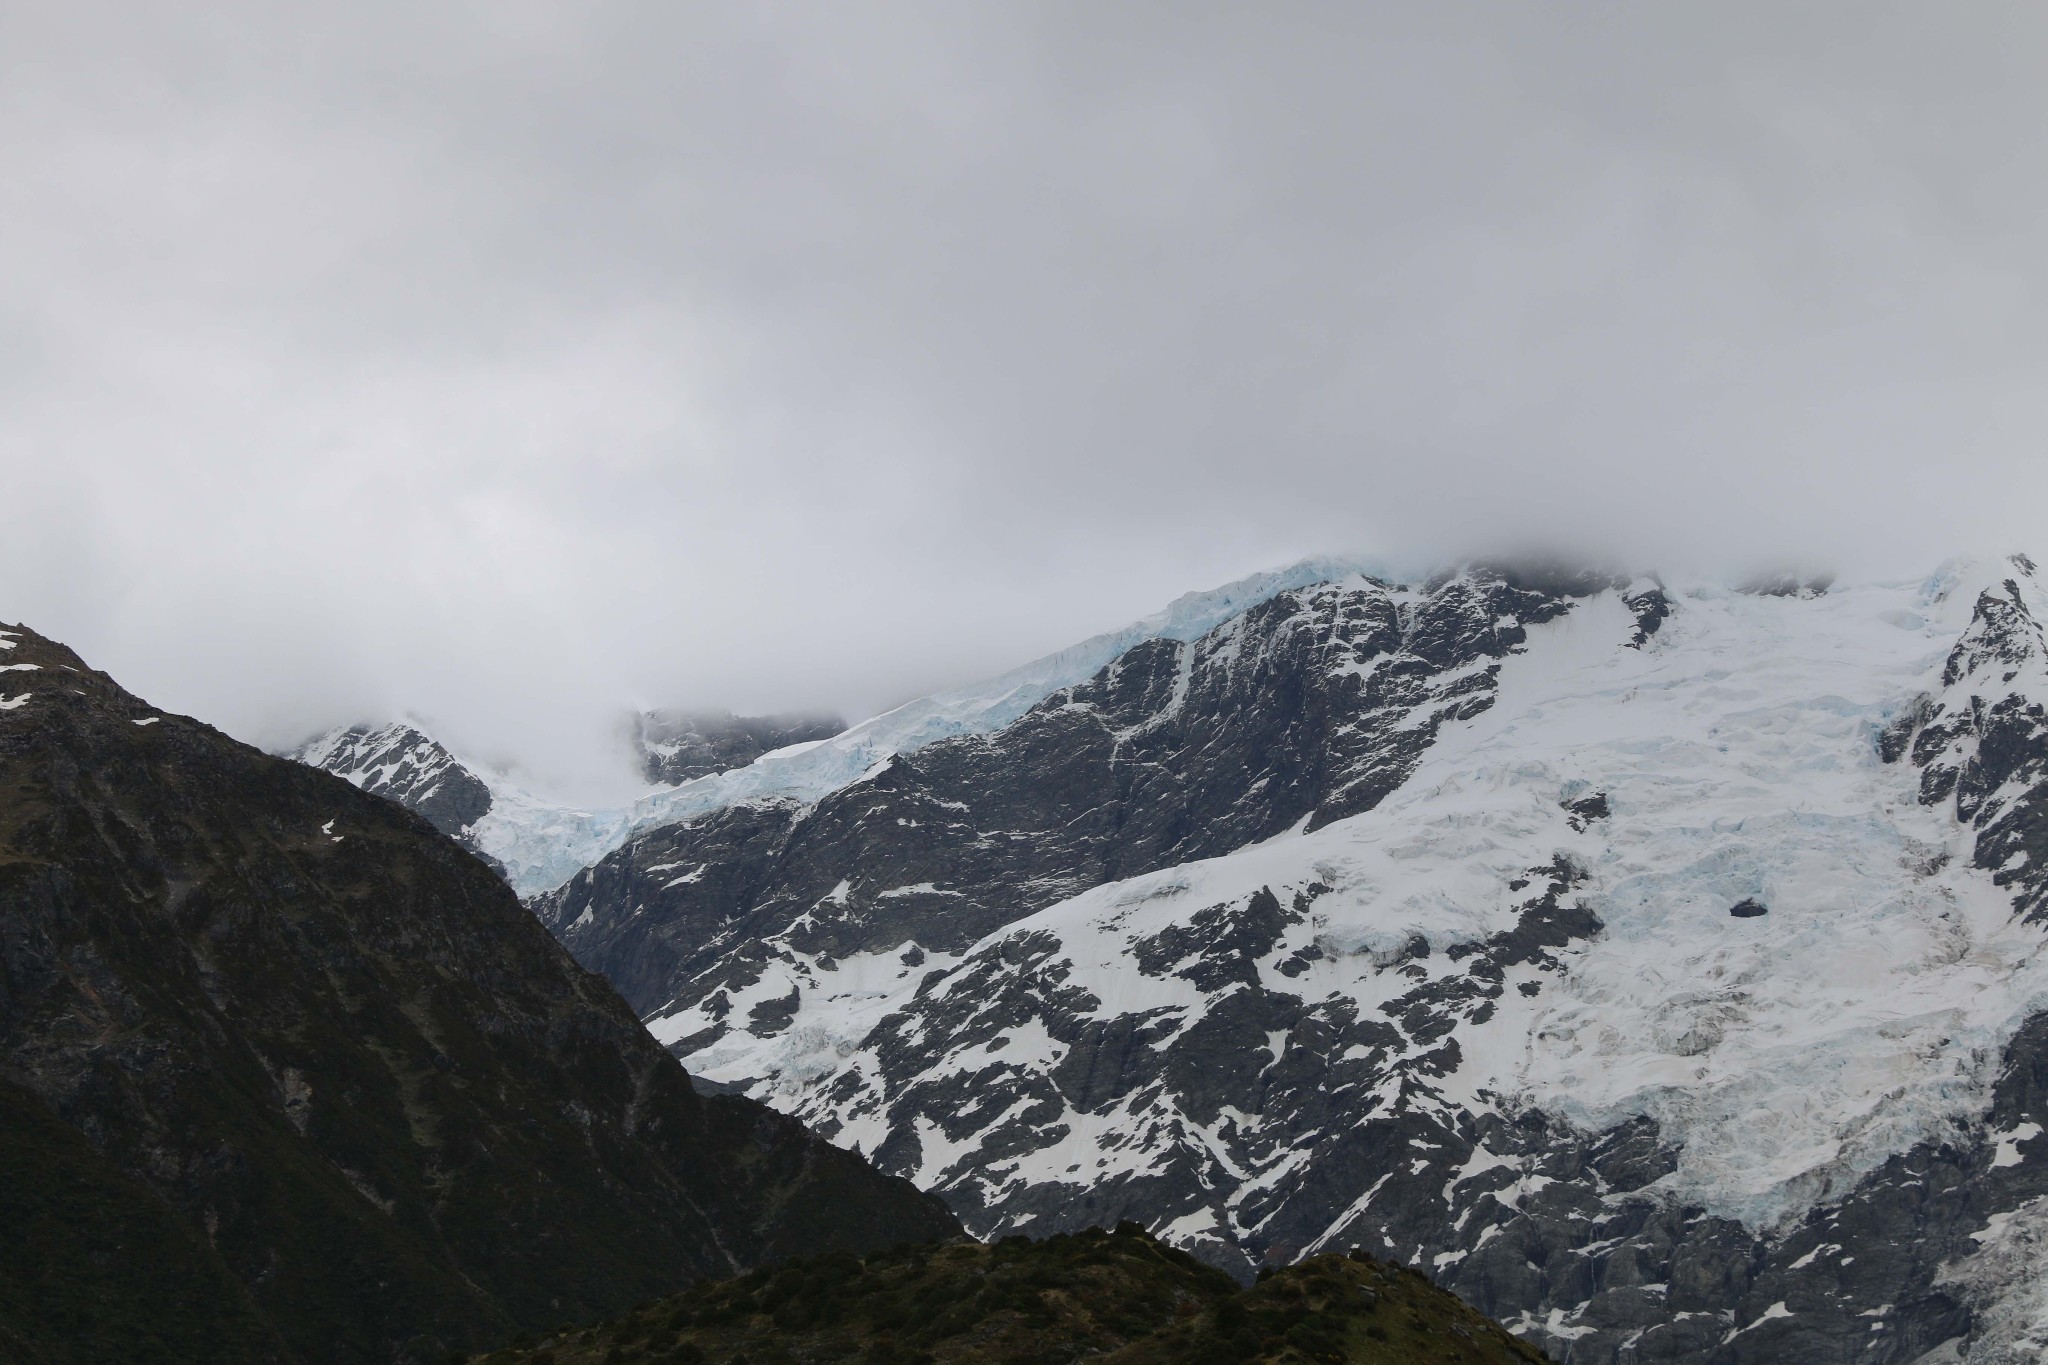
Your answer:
<point x="322" y="1055"/>
<point x="543" y="842"/>
<point x="1119" y="1297"/>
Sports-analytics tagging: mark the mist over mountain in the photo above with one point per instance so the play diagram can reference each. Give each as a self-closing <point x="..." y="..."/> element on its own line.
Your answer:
<point x="614" y="356"/>
<point x="676" y="746"/>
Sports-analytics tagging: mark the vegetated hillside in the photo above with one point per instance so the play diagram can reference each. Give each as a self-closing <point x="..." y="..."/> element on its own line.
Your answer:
<point x="1119" y="1298"/>
<point x="286" y="1075"/>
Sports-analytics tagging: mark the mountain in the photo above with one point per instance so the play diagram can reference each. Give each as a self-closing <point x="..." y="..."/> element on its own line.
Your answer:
<point x="1657" y="962"/>
<point x="286" y="1075"/>
<point x="532" y="842"/>
<point x="677" y="746"/>
<point x="401" y="763"/>
<point x="541" y="843"/>
<point x="1117" y="1297"/>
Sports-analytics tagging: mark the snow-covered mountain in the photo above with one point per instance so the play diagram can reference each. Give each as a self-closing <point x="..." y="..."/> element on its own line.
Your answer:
<point x="540" y="843"/>
<point x="402" y="763"/>
<point x="533" y="842"/>
<point x="1661" y="963"/>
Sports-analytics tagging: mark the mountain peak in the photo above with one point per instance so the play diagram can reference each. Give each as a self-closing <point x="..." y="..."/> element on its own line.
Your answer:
<point x="337" y="1081"/>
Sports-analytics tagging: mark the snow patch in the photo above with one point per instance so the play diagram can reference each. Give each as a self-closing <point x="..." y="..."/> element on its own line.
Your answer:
<point x="2008" y="1153"/>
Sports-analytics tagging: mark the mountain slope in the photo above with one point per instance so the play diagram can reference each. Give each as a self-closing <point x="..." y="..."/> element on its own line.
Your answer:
<point x="94" y="1266"/>
<point x="532" y="842"/>
<point x="401" y="763"/>
<point x="541" y="843"/>
<point x="1656" y="963"/>
<point x="1309" y="706"/>
<point x="319" y="1052"/>
<point x="1119" y="1297"/>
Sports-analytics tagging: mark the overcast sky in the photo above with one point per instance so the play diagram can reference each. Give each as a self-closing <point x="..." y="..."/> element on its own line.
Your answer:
<point x="513" y="363"/>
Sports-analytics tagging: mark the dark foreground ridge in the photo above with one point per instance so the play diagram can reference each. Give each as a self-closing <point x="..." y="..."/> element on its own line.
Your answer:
<point x="1119" y="1298"/>
<point x="288" y="1076"/>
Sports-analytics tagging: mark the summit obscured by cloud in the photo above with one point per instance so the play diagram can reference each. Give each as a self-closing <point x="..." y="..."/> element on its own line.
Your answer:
<point x="516" y="363"/>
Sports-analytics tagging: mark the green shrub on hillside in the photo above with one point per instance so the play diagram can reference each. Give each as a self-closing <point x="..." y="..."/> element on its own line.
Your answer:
<point x="1122" y="1298"/>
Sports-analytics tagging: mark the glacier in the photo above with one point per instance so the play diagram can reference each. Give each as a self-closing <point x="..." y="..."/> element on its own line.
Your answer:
<point x="1801" y="970"/>
<point x="539" y="843"/>
<point x="1739" y="760"/>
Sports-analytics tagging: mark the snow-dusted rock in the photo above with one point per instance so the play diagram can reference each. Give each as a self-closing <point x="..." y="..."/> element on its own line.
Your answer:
<point x="1308" y="706"/>
<point x="401" y="763"/>
<point x="534" y="843"/>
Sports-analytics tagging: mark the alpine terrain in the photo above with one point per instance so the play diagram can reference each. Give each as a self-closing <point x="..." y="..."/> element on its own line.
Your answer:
<point x="402" y="763"/>
<point x="539" y="844"/>
<point x="286" y="1075"/>
<point x="531" y="841"/>
<point x="1659" y="963"/>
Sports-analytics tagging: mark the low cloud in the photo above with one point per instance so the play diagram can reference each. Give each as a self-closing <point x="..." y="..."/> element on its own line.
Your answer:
<point x="519" y="363"/>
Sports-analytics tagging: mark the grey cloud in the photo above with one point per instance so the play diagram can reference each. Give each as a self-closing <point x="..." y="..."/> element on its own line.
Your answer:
<point x="514" y="363"/>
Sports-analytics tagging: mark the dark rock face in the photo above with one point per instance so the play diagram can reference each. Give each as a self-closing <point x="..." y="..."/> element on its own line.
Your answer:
<point x="1586" y="809"/>
<point x="1651" y="607"/>
<point x="675" y="746"/>
<point x="1789" y="585"/>
<point x="1308" y="708"/>
<point x="401" y="764"/>
<point x="1983" y="744"/>
<point x="351" y="1100"/>
<point x="1749" y="909"/>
